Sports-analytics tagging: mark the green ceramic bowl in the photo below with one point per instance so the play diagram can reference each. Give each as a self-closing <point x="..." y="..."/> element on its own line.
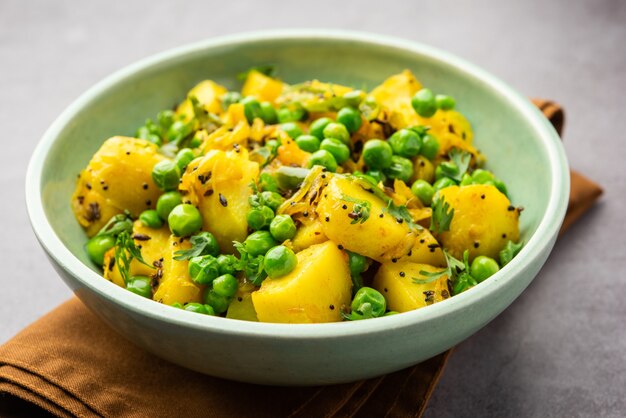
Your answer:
<point x="522" y="148"/>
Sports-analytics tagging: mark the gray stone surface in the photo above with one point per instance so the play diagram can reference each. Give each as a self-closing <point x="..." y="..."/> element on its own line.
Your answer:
<point x="560" y="349"/>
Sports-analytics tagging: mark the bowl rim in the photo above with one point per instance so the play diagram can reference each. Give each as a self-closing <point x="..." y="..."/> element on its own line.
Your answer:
<point x="540" y="242"/>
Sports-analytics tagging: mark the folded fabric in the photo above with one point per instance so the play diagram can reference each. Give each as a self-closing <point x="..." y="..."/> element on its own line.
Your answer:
<point x="69" y="363"/>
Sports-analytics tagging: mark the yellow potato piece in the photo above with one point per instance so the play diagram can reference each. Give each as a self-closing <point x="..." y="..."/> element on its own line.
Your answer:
<point x="395" y="94"/>
<point x="381" y="237"/>
<point x="262" y="87"/>
<point x="118" y="178"/>
<point x="153" y="243"/>
<point x="308" y="235"/>
<point x="313" y="292"/>
<point x="219" y="184"/>
<point x="484" y="220"/>
<point x="242" y="307"/>
<point x="176" y="285"/>
<point x="209" y="95"/>
<point x="423" y="169"/>
<point x="395" y="282"/>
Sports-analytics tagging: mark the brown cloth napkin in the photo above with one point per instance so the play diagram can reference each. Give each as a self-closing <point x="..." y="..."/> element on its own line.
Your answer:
<point x="69" y="363"/>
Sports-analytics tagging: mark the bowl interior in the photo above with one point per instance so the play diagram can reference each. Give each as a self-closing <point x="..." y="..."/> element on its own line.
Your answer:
<point x="122" y="103"/>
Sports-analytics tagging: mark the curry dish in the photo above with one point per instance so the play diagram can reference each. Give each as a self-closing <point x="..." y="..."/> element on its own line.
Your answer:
<point x="306" y="203"/>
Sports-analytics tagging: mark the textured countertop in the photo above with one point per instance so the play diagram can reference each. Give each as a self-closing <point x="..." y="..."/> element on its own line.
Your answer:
<point x="560" y="349"/>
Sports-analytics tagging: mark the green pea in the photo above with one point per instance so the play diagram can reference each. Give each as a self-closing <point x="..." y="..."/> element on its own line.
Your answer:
<point x="225" y="285"/>
<point x="97" y="246"/>
<point x="442" y="183"/>
<point x="401" y="168"/>
<point x="466" y="180"/>
<point x="260" y="217"/>
<point x="259" y="242"/>
<point x="317" y="127"/>
<point x="337" y="131"/>
<point x="195" y="142"/>
<point x="178" y="131"/>
<point x="140" y="285"/>
<point x="358" y="264"/>
<point x="430" y="146"/>
<point x="377" y="175"/>
<point x="166" y="175"/>
<point x="251" y="108"/>
<point x="218" y="302"/>
<point x="389" y="313"/>
<point x="424" y="191"/>
<point x="338" y="149"/>
<point x="151" y="219"/>
<point x="184" y="220"/>
<point x="279" y="261"/>
<point x="501" y="186"/>
<point x="166" y="118"/>
<point x="268" y="183"/>
<point x="323" y="158"/>
<point x="145" y="133"/>
<point x="282" y="228"/>
<point x="445" y="102"/>
<point x="480" y="176"/>
<point x="272" y="199"/>
<point x="203" y="269"/>
<point x="369" y="303"/>
<point x="377" y="154"/>
<point x="167" y="202"/>
<point x="229" y="98"/>
<point x="199" y="308"/>
<point x="176" y="305"/>
<point x="405" y="143"/>
<point x="211" y="246"/>
<point x="291" y="114"/>
<point x="292" y="129"/>
<point x="483" y="267"/>
<point x="308" y="143"/>
<point x="268" y="113"/>
<point x="184" y="157"/>
<point x="350" y="118"/>
<point x="228" y="264"/>
<point x="446" y="169"/>
<point x="354" y="98"/>
<point x="424" y="103"/>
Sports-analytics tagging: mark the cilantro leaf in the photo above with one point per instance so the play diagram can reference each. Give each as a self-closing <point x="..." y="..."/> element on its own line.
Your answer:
<point x="457" y="272"/>
<point x="251" y="266"/>
<point x="462" y="160"/>
<point x="125" y="252"/>
<point x="360" y="210"/>
<point x="401" y="213"/>
<point x="199" y="244"/>
<point x="510" y="250"/>
<point x="441" y="216"/>
<point x="116" y="225"/>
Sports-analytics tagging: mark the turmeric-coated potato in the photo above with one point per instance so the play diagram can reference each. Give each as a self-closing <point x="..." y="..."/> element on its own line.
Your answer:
<point x="484" y="220"/>
<point x="396" y="282"/>
<point x="219" y="184"/>
<point x="395" y="94"/>
<point x="118" y="178"/>
<point x="153" y="244"/>
<point x="315" y="291"/>
<point x="381" y="236"/>
<point x="208" y="93"/>
<point x="261" y="86"/>
<point x="175" y="285"/>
